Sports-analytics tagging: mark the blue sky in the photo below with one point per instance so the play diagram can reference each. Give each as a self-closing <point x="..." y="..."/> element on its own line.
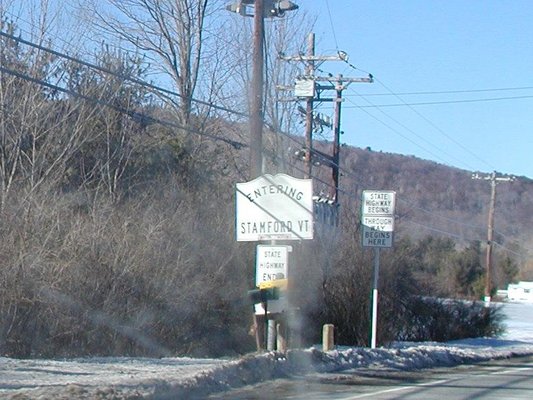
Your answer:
<point x="475" y="49"/>
<point x="414" y="46"/>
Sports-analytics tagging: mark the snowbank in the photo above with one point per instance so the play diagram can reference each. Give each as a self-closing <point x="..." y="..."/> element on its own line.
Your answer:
<point x="194" y="378"/>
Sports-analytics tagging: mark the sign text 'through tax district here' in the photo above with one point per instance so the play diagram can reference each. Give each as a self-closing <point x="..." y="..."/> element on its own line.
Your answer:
<point x="276" y="207"/>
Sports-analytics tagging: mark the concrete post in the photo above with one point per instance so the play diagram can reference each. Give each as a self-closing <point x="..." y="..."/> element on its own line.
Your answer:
<point x="281" y="330"/>
<point x="271" y="341"/>
<point x="327" y="337"/>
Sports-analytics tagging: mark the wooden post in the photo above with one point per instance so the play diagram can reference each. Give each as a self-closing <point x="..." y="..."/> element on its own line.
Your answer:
<point x="310" y="72"/>
<point x="281" y="330"/>
<point x="256" y="103"/>
<point x="259" y="331"/>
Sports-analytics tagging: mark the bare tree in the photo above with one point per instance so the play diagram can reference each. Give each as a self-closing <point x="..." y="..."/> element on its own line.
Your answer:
<point x="170" y="32"/>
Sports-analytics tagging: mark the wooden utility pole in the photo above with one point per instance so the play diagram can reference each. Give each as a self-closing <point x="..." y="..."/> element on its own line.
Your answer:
<point x="335" y="158"/>
<point x="256" y="106"/>
<point x="311" y="96"/>
<point x="309" y="74"/>
<point x="262" y="9"/>
<point x="490" y="231"/>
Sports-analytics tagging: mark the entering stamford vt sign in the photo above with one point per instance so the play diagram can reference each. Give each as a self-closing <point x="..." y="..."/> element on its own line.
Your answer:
<point x="277" y="207"/>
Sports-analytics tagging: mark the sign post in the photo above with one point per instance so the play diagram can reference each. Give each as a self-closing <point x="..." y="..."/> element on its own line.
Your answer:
<point x="377" y="218"/>
<point x="273" y="207"/>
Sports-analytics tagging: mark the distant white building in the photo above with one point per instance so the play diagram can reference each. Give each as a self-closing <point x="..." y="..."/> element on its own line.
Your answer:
<point x="521" y="291"/>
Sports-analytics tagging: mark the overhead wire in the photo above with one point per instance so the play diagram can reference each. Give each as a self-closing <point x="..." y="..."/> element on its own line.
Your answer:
<point x="332" y="25"/>
<point x="509" y="250"/>
<point x="431" y="123"/>
<point x="390" y="127"/>
<point x="168" y="123"/>
<point x="424" y="93"/>
<point x="122" y="76"/>
<point x="435" y="126"/>
<point x="408" y="203"/>
<point x="134" y="114"/>
<point x="400" y="124"/>
<point x="430" y="152"/>
<point x="431" y="103"/>
<point x="446" y="233"/>
<point x="140" y="115"/>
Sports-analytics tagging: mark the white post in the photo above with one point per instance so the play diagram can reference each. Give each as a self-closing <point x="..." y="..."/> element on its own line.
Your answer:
<point x="375" y="299"/>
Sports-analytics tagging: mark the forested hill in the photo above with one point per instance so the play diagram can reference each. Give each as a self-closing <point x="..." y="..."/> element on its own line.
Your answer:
<point x="435" y="199"/>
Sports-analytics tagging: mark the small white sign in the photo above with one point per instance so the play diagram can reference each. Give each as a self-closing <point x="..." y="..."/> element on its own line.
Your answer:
<point x="378" y="202"/>
<point x="379" y="223"/>
<point x="276" y="207"/>
<point x="271" y="263"/>
<point x="377" y="218"/>
<point x="304" y="88"/>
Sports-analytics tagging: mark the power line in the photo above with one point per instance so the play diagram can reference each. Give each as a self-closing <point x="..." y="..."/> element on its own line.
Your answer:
<point x="332" y="26"/>
<point x="131" y="113"/>
<point x="439" y="216"/>
<point x="118" y="75"/>
<point x="348" y="173"/>
<point x="432" y="124"/>
<point x="450" y="234"/>
<point x="154" y="87"/>
<point x="410" y="204"/>
<point x="430" y="103"/>
<point x="134" y="114"/>
<point x="404" y="126"/>
<point x="450" y="156"/>
<point x="399" y="133"/>
<point x="233" y="143"/>
<point x="509" y="250"/>
<point x="438" y="128"/>
<point x="423" y="93"/>
<point x="349" y="194"/>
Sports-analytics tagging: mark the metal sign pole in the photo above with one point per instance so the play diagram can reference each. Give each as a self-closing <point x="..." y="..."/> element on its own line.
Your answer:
<point x="375" y="299"/>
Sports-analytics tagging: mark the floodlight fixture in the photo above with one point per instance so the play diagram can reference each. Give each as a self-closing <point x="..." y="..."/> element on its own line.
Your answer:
<point x="271" y="8"/>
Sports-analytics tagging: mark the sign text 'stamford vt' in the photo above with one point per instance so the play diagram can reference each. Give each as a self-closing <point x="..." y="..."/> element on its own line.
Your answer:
<point x="277" y="207"/>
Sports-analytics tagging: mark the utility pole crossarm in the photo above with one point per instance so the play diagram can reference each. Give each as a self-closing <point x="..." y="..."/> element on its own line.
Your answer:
<point x="344" y="80"/>
<point x="311" y="58"/>
<point x="493" y="177"/>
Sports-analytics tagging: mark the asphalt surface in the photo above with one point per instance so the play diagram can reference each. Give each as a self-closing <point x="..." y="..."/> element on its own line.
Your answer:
<point x="510" y="379"/>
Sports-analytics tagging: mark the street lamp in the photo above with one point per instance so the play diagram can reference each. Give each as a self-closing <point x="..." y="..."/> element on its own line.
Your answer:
<point x="262" y="9"/>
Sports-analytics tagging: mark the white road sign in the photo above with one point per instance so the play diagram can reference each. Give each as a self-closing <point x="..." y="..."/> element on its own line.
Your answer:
<point x="277" y="207"/>
<point x="377" y="218"/>
<point x="378" y="202"/>
<point x="271" y="263"/>
<point x="379" y="222"/>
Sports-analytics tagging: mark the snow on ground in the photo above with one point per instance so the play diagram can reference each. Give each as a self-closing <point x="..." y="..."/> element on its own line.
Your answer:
<point x="171" y="378"/>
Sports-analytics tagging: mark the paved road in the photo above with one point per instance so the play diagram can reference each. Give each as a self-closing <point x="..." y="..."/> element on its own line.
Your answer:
<point x="505" y="379"/>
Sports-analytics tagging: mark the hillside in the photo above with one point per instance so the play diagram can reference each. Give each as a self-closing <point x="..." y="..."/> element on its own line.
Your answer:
<point x="436" y="199"/>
